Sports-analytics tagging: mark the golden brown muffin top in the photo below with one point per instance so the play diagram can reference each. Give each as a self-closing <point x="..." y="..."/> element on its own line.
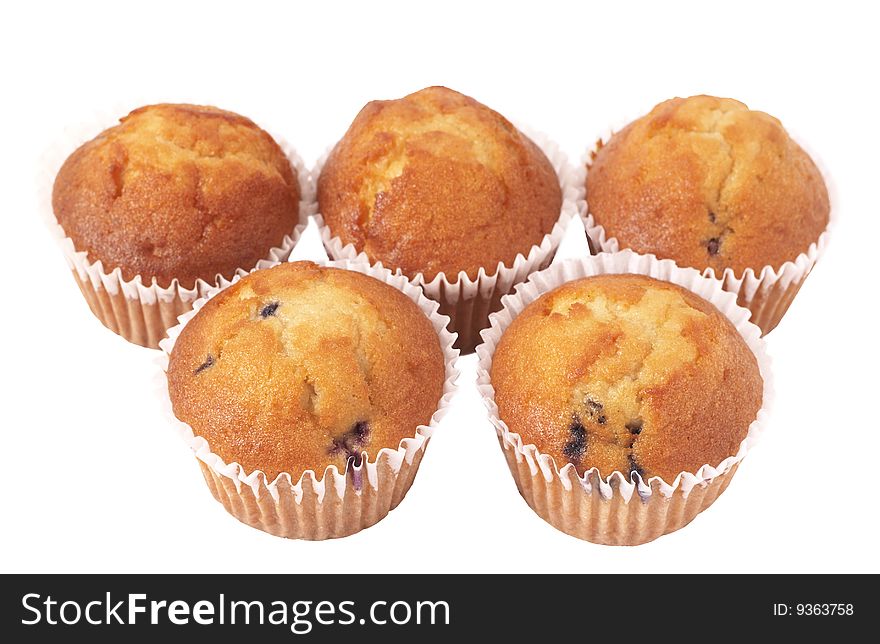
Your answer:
<point x="178" y="191"/>
<point x="708" y="183"/>
<point x="299" y="367"/>
<point x="437" y="182"/>
<point x="626" y="373"/>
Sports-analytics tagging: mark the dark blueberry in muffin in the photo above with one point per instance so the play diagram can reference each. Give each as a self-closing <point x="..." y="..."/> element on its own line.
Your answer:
<point x="269" y="309"/>
<point x="352" y="442"/>
<point x="634" y="467"/>
<point x="634" y="426"/>
<point x="209" y="362"/>
<point x="576" y="445"/>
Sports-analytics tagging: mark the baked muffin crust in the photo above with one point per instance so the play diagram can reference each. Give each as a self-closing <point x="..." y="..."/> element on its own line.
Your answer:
<point x="437" y="182"/>
<point x="626" y="373"/>
<point x="299" y="367"/>
<point x="708" y="183"/>
<point x="178" y="191"/>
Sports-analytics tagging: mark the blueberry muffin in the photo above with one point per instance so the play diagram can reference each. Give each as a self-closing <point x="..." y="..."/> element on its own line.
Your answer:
<point x="436" y="182"/>
<point x="708" y="183"/>
<point x="178" y="192"/>
<point x="299" y="367"/>
<point x="625" y="373"/>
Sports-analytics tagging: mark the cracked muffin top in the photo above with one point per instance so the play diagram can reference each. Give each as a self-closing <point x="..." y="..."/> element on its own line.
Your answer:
<point x="178" y="191"/>
<point x="708" y="183"/>
<point x="299" y="367"/>
<point x="627" y="374"/>
<point x="437" y="182"/>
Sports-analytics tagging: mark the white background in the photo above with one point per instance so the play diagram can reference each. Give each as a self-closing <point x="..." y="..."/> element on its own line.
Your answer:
<point x="96" y="480"/>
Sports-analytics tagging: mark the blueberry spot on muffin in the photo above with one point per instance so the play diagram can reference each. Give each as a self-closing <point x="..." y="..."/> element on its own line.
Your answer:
<point x="634" y="427"/>
<point x="712" y="216"/>
<point x="573" y="451"/>
<point x="577" y="429"/>
<point x="351" y="443"/>
<point x="209" y="362"/>
<point x="269" y="309"/>
<point x="360" y="430"/>
<point x="576" y="445"/>
<point x="594" y="410"/>
<point x="713" y="246"/>
<point x="635" y="468"/>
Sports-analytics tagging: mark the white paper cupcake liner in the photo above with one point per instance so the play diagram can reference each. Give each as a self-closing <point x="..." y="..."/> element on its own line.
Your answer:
<point x="140" y="312"/>
<point x="468" y="302"/>
<point x="330" y="504"/>
<point x="607" y="510"/>
<point x="767" y="292"/>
